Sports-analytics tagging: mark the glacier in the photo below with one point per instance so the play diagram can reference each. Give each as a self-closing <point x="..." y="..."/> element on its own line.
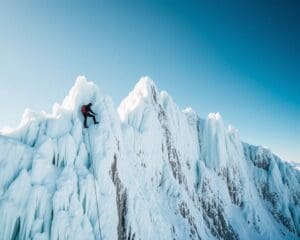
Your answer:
<point x="153" y="170"/>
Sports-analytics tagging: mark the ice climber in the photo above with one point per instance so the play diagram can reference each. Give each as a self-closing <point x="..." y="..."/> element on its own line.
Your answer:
<point x="88" y="112"/>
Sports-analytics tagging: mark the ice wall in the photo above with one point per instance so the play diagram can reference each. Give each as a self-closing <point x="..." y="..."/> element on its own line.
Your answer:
<point x="159" y="172"/>
<point x="47" y="182"/>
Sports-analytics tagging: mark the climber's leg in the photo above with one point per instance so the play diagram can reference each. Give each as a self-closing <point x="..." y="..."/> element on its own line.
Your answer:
<point x="84" y="123"/>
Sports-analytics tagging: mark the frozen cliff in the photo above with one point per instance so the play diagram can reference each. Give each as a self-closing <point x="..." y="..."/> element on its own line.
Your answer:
<point x="147" y="171"/>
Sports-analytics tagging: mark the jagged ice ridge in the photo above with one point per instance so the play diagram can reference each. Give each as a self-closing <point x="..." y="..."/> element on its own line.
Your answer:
<point x="161" y="173"/>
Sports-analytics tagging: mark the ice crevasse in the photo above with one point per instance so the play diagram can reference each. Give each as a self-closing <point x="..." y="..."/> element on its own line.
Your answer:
<point x="158" y="172"/>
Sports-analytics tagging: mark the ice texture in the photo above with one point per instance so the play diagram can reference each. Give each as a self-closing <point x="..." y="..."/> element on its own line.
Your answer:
<point x="158" y="172"/>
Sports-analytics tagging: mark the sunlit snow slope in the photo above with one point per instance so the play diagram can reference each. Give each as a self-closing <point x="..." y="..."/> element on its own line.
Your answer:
<point x="160" y="173"/>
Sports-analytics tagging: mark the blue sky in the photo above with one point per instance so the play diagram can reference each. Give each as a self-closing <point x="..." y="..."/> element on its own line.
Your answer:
<point x="240" y="58"/>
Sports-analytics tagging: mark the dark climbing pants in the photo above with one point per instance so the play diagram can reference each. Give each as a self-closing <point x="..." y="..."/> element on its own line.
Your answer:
<point x="89" y="115"/>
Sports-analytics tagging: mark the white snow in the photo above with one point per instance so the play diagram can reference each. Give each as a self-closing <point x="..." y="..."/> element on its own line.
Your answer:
<point x="159" y="172"/>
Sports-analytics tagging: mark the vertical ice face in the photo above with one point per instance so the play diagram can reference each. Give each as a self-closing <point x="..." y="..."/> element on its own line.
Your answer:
<point x="277" y="183"/>
<point x="162" y="143"/>
<point x="47" y="189"/>
<point x="158" y="173"/>
<point x="214" y="146"/>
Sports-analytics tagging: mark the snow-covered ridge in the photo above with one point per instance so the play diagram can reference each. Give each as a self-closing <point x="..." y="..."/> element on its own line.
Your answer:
<point x="160" y="173"/>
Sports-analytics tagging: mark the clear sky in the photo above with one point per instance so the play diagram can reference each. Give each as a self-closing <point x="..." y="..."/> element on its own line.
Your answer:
<point x="240" y="58"/>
